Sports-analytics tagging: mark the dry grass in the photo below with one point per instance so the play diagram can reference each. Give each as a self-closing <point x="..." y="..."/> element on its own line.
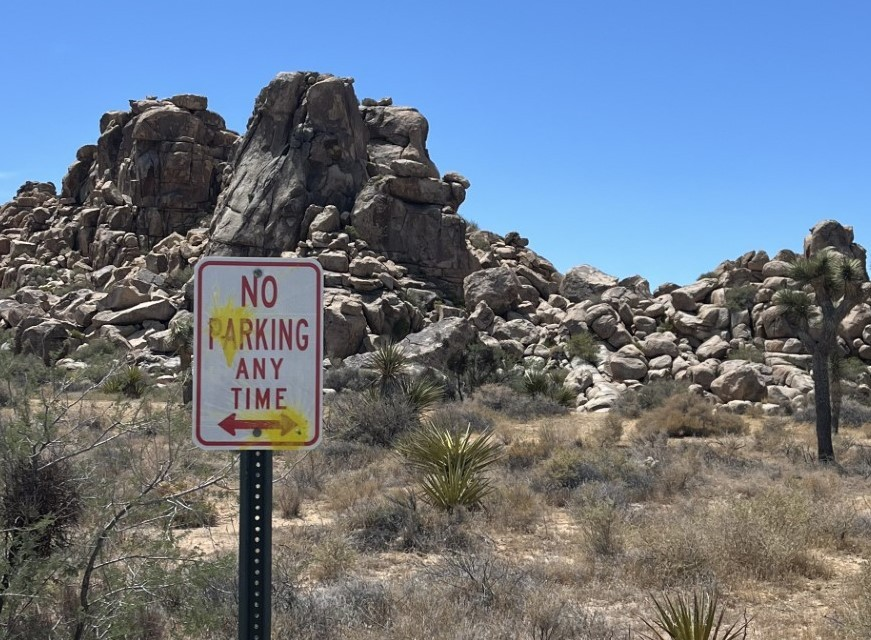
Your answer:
<point x="589" y="516"/>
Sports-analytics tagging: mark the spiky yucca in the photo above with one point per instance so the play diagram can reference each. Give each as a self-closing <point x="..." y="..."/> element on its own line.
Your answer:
<point x="452" y="465"/>
<point x="828" y="286"/>
<point x="678" y="619"/>
<point x="422" y="393"/>
<point x="391" y="365"/>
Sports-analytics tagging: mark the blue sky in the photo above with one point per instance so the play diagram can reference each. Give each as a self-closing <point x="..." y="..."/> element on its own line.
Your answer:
<point x="650" y="136"/>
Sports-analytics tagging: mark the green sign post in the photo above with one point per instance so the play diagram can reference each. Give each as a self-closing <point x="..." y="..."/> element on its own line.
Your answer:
<point x="258" y="360"/>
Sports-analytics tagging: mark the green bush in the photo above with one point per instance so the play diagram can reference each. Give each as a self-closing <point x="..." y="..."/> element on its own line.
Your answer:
<point x="740" y="298"/>
<point x="39" y="504"/>
<point x="477" y="365"/>
<point x="344" y="378"/>
<point x="131" y="381"/>
<point x="583" y="345"/>
<point x="387" y="524"/>
<point x="452" y="465"/>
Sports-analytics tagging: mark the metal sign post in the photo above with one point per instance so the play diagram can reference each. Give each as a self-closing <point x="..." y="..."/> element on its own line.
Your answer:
<point x="255" y="545"/>
<point x="258" y="356"/>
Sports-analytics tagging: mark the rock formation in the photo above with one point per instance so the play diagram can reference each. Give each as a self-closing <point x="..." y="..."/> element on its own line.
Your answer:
<point x="319" y="174"/>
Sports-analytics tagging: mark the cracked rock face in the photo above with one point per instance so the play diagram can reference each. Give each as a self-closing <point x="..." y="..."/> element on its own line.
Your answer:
<point x="305" y="145"/>
<point x="309" y="146"/>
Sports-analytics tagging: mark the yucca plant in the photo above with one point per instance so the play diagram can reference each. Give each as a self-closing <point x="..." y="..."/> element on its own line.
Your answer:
<point x="130" y="381"/>
<point x="536" y="382"/>
<point x="391" y="365"/>
<point x="422" y="393"/>
<point x="452" y="465"/>
<point x="678" y="619"/>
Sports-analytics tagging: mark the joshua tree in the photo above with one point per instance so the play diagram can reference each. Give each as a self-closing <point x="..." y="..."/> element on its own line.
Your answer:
<point x="828" y="286"/>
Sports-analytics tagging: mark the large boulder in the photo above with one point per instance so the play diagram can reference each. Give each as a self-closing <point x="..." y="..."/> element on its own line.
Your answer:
<point x="47" y="340"/>
<point x="857" y="320"/>
<point x="344" y="326"/>
<point x="741" y="381"/>
<point x="834" y="235"/>
<point x="499" y="287"/>
<point x="440" y="343"/>
<point x="305" y="144"/>
<point x="585" y="283"/>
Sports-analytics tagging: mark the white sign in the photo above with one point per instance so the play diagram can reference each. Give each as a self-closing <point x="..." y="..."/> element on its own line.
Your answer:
<point x="258" y="353"/>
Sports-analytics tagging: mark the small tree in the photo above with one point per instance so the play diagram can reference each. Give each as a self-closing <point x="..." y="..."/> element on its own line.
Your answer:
<point x="827" y="286"/>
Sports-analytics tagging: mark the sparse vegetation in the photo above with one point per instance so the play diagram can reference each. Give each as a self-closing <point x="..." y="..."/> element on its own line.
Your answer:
<point x="740" y="298"/>
<point x="566" y="509"/>
<point x="583" y="345"/>
<point x="687" y="415"/>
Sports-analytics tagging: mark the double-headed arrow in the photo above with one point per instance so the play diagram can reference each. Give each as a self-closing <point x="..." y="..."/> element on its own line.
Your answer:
<point x="231" y="424"/>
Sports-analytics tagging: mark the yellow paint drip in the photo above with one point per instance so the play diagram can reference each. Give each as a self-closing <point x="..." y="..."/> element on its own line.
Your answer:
<point x="223" y="316"/>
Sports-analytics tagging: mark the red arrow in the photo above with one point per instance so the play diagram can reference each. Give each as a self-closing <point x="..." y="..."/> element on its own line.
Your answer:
<point x="231" y="424"/>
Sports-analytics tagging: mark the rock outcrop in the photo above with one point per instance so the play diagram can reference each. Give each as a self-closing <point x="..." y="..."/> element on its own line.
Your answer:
<point x="319" y="174"/>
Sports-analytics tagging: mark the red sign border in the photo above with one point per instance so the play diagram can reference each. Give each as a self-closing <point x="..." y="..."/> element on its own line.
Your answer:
<point x="270" y="263"/>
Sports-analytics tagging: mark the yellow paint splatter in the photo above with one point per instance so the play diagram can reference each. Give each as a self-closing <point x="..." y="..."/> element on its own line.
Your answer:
<point x="226" y="325"/>
<point x="291" y="431"/>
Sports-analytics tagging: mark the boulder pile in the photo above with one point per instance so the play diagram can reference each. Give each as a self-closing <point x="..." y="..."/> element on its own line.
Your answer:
<point x="320" y="174"/>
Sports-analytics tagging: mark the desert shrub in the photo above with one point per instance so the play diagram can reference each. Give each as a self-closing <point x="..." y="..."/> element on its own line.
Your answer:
<point x="22" y="372"/>
<point x="514" y="507"/>
<point x="674" y="618"/>
<point x="477" y="365"/>
<point x="748" y="353"/>
<point x="675" y="552"/>
<point x="855" y="614"/>
<point x="601" y="522"/>
<point x="101" y="356"/>
<point x="288" y="498"/>
<point x="616" y="475"/>
<point x="422" y="392"/>
<point x="451" y="465"/>
<point x="398" y="523"/>
<point x="688" y="415"/>
<point x="537" y="382"/>
<point x="40" y="504"/>
<point x="369" y="418"/>
<point x="633" y="402"/>
<point x="740" y="298"/>
<point x="131" y="381"/>
<point x="350" y="488"/>
<point x="344" y="378"/>
<point x="769" y="536"/>
<point x="458" y="416"/>
<point x="525" y="454"/>
<point x="481" y="579"/>
<point x="193" y="512"/>
<point x="853" y="413"/>
<point x="386" y="524"/>
<point x="332" y="558"/>
<point x="334" y="456"/>
<point x="517" y="406"/>
<point x="609" y="432"/>
<point x="583" y="345"/>
<point x="853" y="369"/>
